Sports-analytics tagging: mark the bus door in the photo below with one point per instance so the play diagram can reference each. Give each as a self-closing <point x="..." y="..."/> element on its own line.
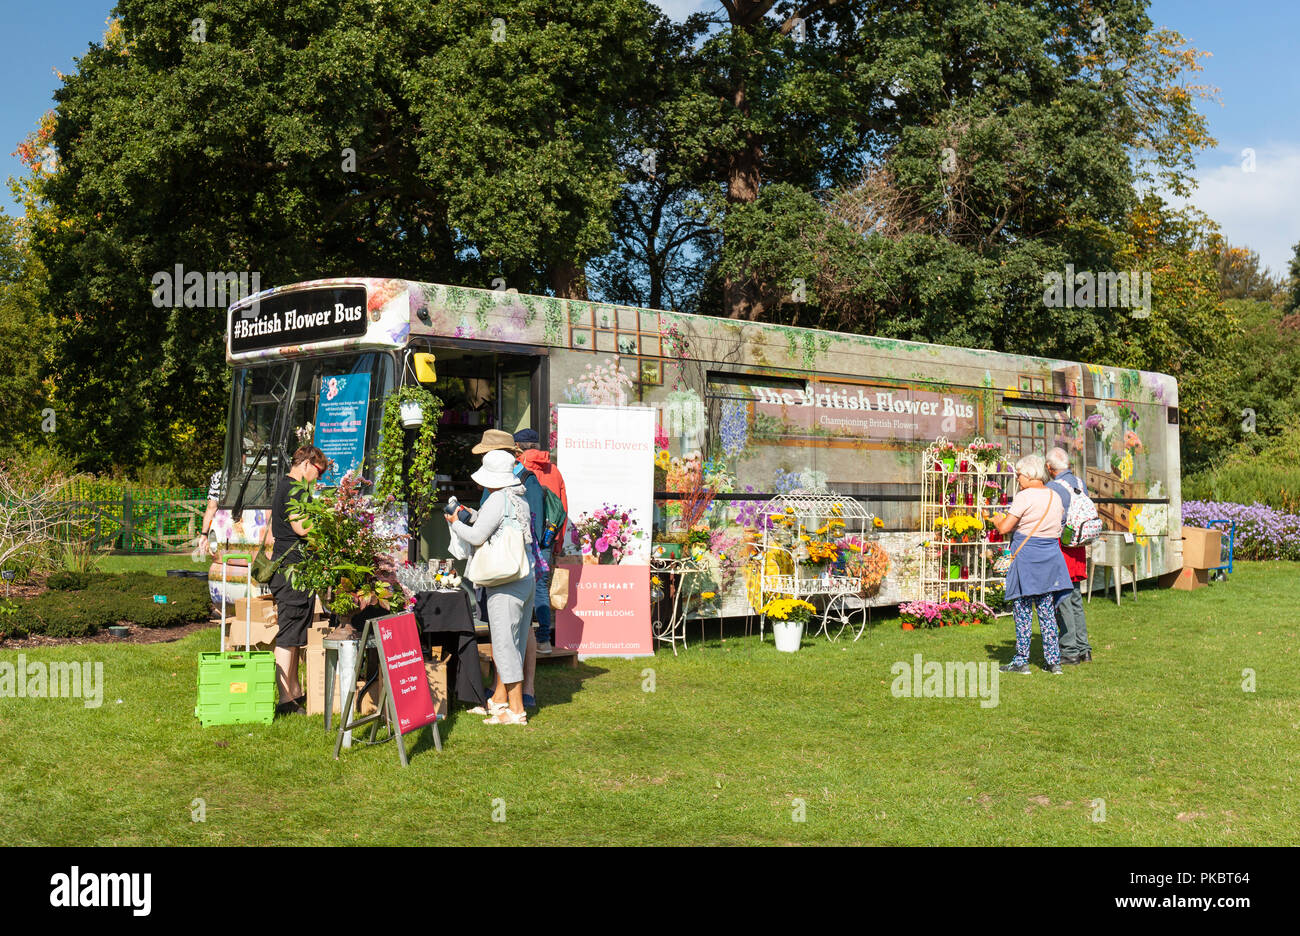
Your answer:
<point x="479" y="390"/>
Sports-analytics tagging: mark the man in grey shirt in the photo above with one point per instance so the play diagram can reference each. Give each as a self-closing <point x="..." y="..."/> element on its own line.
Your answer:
<point x="1069" y="613"/>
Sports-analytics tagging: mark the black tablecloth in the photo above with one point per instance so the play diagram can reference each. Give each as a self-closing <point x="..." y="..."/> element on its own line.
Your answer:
<point x="447" y="619"/>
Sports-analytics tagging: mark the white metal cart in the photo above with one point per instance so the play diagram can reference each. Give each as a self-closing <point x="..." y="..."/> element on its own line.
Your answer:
<point x="784" y="567"/>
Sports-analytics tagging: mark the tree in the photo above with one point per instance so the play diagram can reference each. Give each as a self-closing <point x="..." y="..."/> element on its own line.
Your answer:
<point x="1291" y="289"/>
<point x="22" y="332"/>
<point x="666" y="246"/>
<point x="1043" y="115"/>
<point x="309" y="138"/>
<point x="1240" y="276"/>
<point x="516" y="122"/>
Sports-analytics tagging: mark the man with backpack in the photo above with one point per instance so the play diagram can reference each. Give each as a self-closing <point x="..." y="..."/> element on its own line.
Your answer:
<point x="553" y="515"/>
<point x="1069" y="613"/>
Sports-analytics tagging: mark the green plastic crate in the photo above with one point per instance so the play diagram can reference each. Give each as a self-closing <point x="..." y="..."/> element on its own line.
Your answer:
<point x="236" y="688"/>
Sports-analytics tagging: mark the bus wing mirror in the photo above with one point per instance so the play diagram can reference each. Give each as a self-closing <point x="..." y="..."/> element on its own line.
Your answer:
<point x="424" y="368"/>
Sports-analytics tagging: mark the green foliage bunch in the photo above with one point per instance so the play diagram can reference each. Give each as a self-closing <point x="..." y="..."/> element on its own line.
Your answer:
<point x="345" y="559"/>
<point x="419" y="491"/>
<point x="1269" y="475"/>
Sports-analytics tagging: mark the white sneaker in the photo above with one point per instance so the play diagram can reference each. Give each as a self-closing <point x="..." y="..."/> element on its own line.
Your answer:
<point x="545" y="647"/>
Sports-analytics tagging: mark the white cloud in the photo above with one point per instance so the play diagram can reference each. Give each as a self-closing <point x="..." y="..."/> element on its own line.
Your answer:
<point x="1260" y="209"/>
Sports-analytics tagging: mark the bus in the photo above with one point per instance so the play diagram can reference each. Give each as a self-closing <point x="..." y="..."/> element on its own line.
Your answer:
<point x="769" y="408"/>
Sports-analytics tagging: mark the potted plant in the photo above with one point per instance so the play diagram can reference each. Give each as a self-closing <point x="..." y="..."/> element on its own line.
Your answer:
<point x="347" y="560"/>
<point x="948" y="456"/>
<point x="916" y="614"/>
<point x="697" y="542"/>
<point x="789" y="615"/>
<point x="419" y="490"/>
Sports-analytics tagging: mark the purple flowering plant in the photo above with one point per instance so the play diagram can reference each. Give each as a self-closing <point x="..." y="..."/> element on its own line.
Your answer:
<point x="1262" y="532"/>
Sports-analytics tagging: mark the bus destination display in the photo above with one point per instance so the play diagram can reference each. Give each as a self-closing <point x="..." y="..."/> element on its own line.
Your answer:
<point x="296" y="318"/>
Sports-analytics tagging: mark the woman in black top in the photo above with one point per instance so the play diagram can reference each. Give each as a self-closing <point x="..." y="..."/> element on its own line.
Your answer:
<point x="293" y="608"/>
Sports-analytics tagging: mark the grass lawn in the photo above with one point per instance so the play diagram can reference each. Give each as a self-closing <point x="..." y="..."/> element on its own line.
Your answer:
<point x="1158" y="726"/>
<point x="157" y="563"/>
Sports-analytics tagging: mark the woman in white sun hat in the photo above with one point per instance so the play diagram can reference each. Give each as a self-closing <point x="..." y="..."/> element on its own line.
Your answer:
<point x="509" y="606"/>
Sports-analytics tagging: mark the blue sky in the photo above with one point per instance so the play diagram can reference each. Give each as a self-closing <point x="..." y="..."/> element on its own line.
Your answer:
<point x="1253" y="63"/>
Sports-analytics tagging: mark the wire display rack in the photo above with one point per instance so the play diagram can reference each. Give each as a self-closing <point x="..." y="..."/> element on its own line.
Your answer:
<point x="784" y="566"/>
<point x="971" y="481"/>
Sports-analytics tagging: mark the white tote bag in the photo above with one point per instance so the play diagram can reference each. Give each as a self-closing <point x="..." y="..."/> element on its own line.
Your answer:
<point x="502" y="558"/>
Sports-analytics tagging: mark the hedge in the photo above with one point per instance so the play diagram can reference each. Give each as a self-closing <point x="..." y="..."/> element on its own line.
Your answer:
<point x="80" y="604"/>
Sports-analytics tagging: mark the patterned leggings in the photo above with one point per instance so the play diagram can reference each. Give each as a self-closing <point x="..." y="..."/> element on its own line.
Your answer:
<point x="1022" y="609"/>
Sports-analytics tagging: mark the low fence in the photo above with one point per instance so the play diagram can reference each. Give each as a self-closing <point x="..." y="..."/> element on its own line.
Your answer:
<point x="134" y="522"/>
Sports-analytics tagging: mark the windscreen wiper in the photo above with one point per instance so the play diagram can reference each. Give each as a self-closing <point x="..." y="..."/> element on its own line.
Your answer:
<point x="238" y="508"/>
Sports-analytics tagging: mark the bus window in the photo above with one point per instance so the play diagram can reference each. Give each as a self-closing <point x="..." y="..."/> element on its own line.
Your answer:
<point x="273" y="407"/>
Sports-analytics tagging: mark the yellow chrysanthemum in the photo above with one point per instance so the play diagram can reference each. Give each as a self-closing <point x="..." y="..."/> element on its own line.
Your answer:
<point x="1126" y="466"/>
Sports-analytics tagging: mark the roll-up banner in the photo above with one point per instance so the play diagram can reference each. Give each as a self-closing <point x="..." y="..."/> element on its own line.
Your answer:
<point x="606" y="454"/>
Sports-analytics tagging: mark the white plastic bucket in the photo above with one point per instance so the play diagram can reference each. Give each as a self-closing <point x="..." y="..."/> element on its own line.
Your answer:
<point x="787" y="635"/>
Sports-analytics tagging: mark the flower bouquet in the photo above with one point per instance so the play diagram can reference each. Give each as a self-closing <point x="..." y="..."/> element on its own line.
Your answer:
<point x="791" y="610"/>
<point x="961" y="528"/>
<point x="707" y="605"/>
<point x="986" y="454"/>
<point x="662" y="463"/>
<point x="866" y="561"/>
<point x="817" y="552"/>
<point x="603" y="535"/>
<point x="782" y="526"/>
<point x="346" y="559"/>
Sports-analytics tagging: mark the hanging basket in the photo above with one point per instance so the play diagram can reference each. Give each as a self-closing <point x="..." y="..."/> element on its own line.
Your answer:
<point x="412" y="414"/>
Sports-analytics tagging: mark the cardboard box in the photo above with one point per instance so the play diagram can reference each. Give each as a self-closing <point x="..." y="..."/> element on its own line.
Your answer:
<point x="315" y="685"/>
<point x="1202" y="549"/>
<point x="1191" y="579"/>
<point x="436" y="670"/>
<point x="261" y="634"/>
<point x="368" y="702"/>
<point x="263" y="608"/>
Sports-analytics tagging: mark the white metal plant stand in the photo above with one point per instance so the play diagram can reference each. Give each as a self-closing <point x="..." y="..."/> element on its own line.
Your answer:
<point x="970" y="481"/>
<point x="783" y="572"/>
<point x="687" y="571"/>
